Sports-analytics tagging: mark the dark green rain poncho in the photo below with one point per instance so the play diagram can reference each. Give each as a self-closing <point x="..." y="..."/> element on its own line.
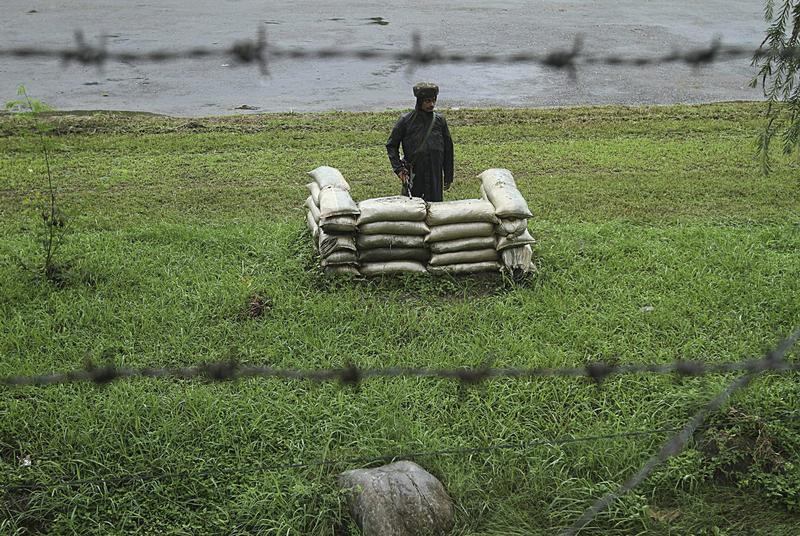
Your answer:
<point x="431" y="164"/>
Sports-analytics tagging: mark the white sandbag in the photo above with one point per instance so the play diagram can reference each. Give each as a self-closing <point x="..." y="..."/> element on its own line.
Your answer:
<point x="504" y="195"/>
<point x="463" y="257"/>
<point x="313" y="187"/>
<point x="518" y="258"/>
<point x="462" y="211"/>
<point x="394" y="208"/>
<point x="313" y="208"/>
<point x="469" y="268"/>
<point x="394" y="254"/>
<point x="459" y="230"/>
<point x="495" y="176"/>
<point x="392" y="267"/>
<point x="463" y="244"/>
<point x="505" y="242"/>
<point x="336" y="202"/>
<point x="342" y="256"/>
<point x="389" y="241"/>
<point x="342" y="270"/>
<point x="338" y="224"/>
<point x="329" y="176"/>
<point x="395" y="227"/>
<point x="312" y="226"/>
<point x="512" y="226"/>
<point x="328" y="243"/>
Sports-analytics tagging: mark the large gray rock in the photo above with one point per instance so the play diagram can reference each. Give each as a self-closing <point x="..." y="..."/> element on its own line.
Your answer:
<point x="399" y="499"/>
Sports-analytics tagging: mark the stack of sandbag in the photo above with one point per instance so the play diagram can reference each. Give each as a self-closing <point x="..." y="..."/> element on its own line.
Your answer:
<point x="512" y="212"/>
<point x="462" y="237"/>
<point x="391" y="236"/>
<point x="335" y="214"/>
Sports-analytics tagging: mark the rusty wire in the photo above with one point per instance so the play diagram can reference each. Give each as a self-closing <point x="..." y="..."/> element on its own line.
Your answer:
<point x="260" y="52"/>
<point x="353" y="375"/>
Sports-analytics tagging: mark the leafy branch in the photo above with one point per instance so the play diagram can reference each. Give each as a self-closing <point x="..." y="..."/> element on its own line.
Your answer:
<point x="778" y="76"/>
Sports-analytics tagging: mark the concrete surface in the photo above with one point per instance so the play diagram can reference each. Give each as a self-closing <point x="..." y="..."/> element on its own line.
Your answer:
<point x="209" y="87"/>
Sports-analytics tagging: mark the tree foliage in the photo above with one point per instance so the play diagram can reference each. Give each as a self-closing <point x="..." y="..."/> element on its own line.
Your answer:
<point x="778" y="66"/>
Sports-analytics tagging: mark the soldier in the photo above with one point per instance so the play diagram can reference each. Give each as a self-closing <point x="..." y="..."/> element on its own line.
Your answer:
<point x="426" y="168"/>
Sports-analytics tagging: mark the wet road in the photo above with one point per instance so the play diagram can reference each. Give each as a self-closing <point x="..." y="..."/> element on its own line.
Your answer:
<point x="211" y="86"/>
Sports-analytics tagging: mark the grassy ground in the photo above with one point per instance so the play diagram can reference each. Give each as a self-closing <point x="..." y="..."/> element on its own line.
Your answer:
<point x="175" y="225"/>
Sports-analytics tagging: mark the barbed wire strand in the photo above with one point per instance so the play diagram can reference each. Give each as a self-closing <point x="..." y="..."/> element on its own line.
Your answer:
<point x="259" y="51"/>
<point x="363" y="460"/>
<point x="353" y="375"/>
<point x="676" y="443"/>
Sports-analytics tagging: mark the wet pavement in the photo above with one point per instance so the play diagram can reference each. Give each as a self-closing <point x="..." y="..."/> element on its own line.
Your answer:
<point x="214" y="86"/>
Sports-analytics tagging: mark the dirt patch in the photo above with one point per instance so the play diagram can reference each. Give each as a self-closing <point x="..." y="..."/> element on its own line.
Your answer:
<point x="16" y="503"/>
<point x="740" y="445"/>
<point x="257" y="306"/>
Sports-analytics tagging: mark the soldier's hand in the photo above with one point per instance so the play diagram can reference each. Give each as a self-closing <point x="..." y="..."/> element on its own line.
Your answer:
<point x="403" y="174"/>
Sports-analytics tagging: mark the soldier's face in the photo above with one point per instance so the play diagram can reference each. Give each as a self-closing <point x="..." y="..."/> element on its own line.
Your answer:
<point x="428" y="104"/>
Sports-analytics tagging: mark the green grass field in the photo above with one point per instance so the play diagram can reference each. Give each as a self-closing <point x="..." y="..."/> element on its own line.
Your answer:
<point x="176" y="225"/>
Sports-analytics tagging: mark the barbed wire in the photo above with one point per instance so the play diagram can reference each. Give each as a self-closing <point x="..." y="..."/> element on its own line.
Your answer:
<point x="676" y="443"/>
<point x="260" y="52"/>
<point x="773" y="361"/>
<point x="353" y="375"/>
<point x="362" y="460"/>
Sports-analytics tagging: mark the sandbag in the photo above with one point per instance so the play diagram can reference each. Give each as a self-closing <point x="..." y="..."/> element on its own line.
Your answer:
<point x="336" y="202"/>
<point x="459" y="230"/>
<point x="312" y="226"/>
<point x="503" y="194"/>
<point x="469" y="268"/>
<point x="342" y="256"/>
<point x="512" y="227"/>
<point x="313" y="208"/>
<point x="463" y="257"/>
<point x="329" y="176"/>
<point x="395" y="227"/>
<point x="394" y="254"/>
<point x="342" y="269"/>
<point x="463" y="244"/>
<point x="509" y="242"/>
<point x="462" y="211"/>
<point x="518" y="258"/>
<point x="338" y="224"/>
<point x="389" y="241"/>
<point x="394" y="208"/>
<point x="495" y="176"/>
<point x="328" y="243"/>
<point x="392" y="267"/>
<point x="313" y="187"/>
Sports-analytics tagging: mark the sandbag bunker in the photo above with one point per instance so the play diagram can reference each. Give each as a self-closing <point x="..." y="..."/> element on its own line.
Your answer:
<point x="394" y="235"/>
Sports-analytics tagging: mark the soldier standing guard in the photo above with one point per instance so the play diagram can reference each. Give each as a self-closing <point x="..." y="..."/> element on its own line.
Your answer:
<point x="426" y="168"/>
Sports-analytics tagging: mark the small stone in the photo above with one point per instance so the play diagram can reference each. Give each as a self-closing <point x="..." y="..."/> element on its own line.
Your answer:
<point x="647" y="309"/>
<point x="399" y="499"/>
